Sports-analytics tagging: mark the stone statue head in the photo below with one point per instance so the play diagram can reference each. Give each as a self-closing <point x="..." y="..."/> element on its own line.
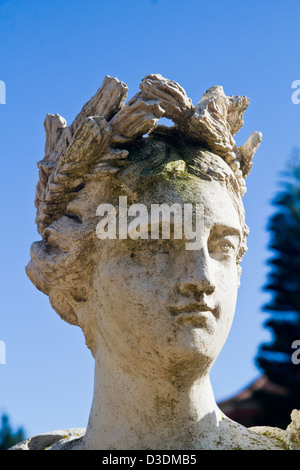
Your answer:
<point x="114" y="149"/>
<point x="149" y="301"/>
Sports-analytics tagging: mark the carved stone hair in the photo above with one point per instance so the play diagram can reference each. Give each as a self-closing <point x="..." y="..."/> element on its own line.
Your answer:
<point x="84" y="161"/>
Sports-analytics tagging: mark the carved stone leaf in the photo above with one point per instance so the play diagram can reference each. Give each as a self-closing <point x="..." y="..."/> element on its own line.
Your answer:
<point x="248" y="150"/>
<point x="136" y="118"/>
<point x="108" y="100"/>
<point x="54" y="125"/>
<point x="209" y="124"/>
<point x="171" y="96"/>
<point x="88" y="144"/>
<point x="236" y="109"/>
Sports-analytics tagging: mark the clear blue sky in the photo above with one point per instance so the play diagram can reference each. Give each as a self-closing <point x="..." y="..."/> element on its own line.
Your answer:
<point x="53" y="57"/>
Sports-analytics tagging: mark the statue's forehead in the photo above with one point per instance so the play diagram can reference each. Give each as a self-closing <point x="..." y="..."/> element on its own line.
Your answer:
<point x="210" y="200"/>
<point x="192" y="190"/>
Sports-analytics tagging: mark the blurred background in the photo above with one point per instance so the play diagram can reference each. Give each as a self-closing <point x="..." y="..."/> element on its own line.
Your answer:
<point x="54" y="56"/>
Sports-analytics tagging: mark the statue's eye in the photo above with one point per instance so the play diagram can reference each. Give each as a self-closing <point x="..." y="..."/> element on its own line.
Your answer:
<point x="226" y="247"/>
<point x="220" y="246"/>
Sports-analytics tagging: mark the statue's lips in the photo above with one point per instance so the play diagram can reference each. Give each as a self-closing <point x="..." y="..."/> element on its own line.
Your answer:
<point x="198" y="313"/>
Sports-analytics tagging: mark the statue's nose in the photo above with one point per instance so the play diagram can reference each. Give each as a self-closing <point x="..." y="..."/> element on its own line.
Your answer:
<point x="197" y="278"/>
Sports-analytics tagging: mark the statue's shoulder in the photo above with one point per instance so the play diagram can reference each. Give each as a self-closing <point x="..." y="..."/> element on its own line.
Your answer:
<point x="66" y="439"/>
<point x="234" y="436"/>
<point x="289" y="438"/>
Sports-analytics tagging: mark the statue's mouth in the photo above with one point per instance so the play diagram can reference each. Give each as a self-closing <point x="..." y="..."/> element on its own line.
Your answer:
<point x="196" y="312"/>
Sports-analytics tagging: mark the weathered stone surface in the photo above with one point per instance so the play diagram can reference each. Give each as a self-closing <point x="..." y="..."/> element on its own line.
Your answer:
<point x="232" y="437"/>
<point x="105" y="121"/>
<point x="289" y="438"/>
<point x="68" y="439"/>
<point x="155" y="314"/>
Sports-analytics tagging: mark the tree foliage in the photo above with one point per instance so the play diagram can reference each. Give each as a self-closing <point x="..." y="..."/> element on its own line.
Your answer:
<point x="8" y="437"/>
<point x="283" y="283"/>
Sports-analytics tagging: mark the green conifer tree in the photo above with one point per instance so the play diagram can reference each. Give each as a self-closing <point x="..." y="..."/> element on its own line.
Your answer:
<point x="275" y="358"/>
<point x="8" y="437"/>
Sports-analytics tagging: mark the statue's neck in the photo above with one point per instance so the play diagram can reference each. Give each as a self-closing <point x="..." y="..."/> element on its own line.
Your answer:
<point x="149" y="410"/>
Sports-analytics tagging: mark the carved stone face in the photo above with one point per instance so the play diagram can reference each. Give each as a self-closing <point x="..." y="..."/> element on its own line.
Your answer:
<point x="154" y="300"/>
